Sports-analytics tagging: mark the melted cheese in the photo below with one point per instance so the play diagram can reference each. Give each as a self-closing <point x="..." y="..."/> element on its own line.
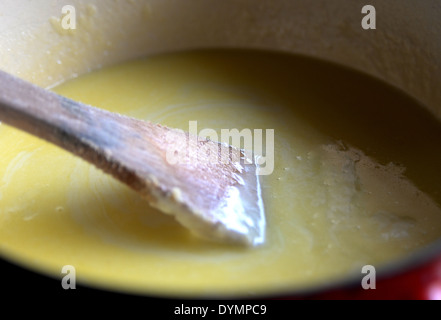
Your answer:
<point x="355" y="179"/>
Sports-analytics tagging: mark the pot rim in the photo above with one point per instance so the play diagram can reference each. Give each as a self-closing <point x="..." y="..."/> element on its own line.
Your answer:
<point x="397" y="268"/>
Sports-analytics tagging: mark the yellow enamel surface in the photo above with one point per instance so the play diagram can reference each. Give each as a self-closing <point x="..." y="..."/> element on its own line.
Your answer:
<point x="355" y="179"/>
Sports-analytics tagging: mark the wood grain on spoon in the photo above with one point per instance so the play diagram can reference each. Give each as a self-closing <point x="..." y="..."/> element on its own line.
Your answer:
<point x="218" y="200"/>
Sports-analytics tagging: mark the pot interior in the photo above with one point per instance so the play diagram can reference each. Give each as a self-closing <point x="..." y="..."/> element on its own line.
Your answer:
<point x="404" y="50"/>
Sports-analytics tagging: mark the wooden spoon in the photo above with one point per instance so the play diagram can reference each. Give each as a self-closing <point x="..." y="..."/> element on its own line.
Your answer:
<point x="214" y="196"/>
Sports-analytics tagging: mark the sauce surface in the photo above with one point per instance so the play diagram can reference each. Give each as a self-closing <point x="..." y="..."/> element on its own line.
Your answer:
<point x="354" y="183"/>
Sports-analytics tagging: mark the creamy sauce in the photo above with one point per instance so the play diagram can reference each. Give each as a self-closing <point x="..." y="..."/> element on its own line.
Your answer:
<point x="355" y="179"/>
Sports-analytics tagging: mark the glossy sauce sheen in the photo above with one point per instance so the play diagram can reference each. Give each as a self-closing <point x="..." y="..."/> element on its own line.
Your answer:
<point x="355" y="179"/>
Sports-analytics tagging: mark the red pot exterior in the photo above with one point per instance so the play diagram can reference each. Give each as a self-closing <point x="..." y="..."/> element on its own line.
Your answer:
<point x="420" y="283"/>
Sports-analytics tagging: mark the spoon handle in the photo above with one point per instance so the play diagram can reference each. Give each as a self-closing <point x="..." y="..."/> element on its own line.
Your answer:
<point x="98" y="136"/>
<point x="62" y="121"/>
